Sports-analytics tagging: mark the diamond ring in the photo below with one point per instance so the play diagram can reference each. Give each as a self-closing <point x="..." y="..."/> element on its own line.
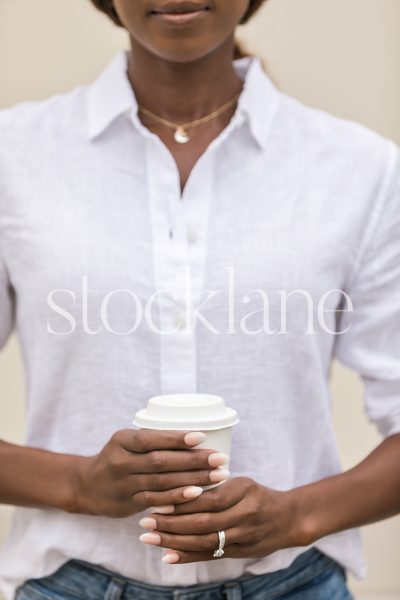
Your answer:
<point x="220" y="550"/>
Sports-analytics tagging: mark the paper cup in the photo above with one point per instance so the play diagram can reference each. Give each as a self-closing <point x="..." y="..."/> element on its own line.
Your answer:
<point x="192" y="412"/>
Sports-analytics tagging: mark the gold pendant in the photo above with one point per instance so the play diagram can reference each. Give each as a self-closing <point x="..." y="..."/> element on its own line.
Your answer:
<point x="181" y="136"/>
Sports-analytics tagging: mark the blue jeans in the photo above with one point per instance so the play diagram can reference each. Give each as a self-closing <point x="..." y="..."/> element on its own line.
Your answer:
<point x="312" y="576"/>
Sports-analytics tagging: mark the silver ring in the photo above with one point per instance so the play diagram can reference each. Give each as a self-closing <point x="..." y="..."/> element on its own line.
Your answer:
<point x="220" y="550"/>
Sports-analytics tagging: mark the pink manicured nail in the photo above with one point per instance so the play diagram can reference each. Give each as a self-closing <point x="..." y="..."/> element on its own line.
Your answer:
<point x="170" y="558"/>
<point x="150" y="538"/>
<point x="162" y="510"/>
<point x="217" y="459"/>
<point x="194" y="438"/>
<point x="219" y="475"/>
<point x="193" y="492"/>
<point x="148" y="523"/>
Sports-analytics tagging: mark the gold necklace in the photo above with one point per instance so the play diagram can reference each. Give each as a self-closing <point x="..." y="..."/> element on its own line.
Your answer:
<point x="181" y="135"/>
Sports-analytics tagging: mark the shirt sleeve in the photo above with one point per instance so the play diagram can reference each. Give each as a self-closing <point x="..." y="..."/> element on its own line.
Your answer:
<point x="6" y="305"/>
<point x="371" y="345"/>
<point x="7" y="299"/>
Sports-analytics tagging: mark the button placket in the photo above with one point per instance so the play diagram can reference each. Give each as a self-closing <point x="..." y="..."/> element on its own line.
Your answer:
<point x="178" y="360"/>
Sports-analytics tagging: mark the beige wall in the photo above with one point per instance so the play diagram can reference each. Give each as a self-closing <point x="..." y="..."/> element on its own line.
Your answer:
<point x="342" y="56"/>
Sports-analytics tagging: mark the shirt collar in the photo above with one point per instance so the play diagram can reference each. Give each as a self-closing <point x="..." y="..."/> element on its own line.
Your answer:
<point x="111" y="95"/>
<point x="258" y="102"/>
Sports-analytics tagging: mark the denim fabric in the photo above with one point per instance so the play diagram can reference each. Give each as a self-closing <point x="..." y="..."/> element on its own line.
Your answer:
<point x="312" y="576"/>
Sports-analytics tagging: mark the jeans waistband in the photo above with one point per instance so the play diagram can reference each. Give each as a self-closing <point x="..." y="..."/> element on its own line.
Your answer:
<point x="83" y="580"/>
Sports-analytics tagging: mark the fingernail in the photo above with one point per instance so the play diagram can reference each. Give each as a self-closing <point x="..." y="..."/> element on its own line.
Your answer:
<point x="217" y="459"/>
<point x="150" y="538"/>
<point x="170" y="558"/>
<point x="193" y="492"/>
<point x="148" y="523"/>
<point x="194" y="438"/>
<point x="162" y="510"/>
<point x="219" y="475"/>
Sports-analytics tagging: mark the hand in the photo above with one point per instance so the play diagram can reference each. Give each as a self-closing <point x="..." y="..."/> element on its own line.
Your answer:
<point x="257" y="521"/>
<point x="137" y="470"/>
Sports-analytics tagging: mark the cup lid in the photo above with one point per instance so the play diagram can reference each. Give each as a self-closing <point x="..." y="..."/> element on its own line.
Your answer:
<point x="186" y="412"/>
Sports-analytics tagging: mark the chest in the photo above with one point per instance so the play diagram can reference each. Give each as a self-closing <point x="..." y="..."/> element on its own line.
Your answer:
<point x="97" y="230"/>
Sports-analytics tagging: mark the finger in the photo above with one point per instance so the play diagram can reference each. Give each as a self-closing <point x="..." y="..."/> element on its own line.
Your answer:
<point x="215" y="500"/>
<point x="194" y="524"/>
<point x="189" y="543"/>
<point x="149" y="499"/>
<point x="146" y="440"/>
<point x="160" y="482"/>
<point x="179" y="557"/>
<point x="168" y="461"/>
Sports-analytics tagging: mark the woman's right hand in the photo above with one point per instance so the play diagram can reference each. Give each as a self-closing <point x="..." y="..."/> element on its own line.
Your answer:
<point x="137" y="470"/>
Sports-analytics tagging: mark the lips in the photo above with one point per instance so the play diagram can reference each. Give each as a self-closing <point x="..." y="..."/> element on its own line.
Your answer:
<point x="180" y="8"/>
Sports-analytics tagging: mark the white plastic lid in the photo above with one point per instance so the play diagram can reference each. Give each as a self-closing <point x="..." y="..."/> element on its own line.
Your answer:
<point x="186" y="412"/>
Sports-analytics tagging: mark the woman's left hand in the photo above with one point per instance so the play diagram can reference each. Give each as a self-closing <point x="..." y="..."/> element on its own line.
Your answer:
<point x="256" y="520"/>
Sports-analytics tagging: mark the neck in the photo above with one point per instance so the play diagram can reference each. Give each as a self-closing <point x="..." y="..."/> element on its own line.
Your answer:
<point x="183" y="92"/>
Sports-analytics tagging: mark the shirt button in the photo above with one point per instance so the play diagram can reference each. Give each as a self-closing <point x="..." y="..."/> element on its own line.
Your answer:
<point x="174" y="296"/>
<point x="192" y="235"/>
<point x="180" y="321"/>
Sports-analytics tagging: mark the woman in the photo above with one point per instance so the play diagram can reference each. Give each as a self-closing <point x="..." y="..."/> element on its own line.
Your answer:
<point x="181" y="225"/>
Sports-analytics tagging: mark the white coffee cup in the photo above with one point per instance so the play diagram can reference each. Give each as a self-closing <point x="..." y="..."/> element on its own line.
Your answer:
<point x="192" y="412"/>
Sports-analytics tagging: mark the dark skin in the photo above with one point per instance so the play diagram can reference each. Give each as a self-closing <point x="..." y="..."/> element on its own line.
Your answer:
<point x="137" y="470"/>
<point x="147" y="88"/>
<point x="183" y="73"/>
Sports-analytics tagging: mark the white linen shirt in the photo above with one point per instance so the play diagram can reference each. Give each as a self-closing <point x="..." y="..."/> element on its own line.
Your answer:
<point x="92" y="223"/>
